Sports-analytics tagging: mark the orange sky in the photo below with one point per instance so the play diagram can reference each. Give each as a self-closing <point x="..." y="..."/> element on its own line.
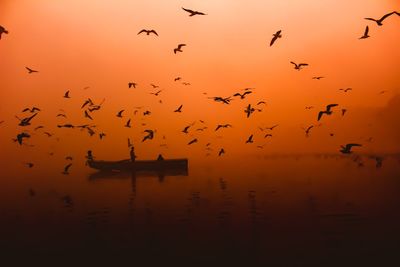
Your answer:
<point x="75" y="44"/>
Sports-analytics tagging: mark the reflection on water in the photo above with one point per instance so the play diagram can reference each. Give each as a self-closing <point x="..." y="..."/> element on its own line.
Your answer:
<point x="276" y="212"/>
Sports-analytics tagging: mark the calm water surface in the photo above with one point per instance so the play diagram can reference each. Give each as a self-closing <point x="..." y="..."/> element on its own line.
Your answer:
<point x="274" y="212"/>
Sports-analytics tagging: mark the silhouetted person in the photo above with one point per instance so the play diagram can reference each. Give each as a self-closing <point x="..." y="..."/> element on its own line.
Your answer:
<point x="160" y="157"/>
<point x="132" y="153"/>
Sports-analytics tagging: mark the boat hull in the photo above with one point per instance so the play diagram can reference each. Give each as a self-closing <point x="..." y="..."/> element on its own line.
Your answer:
<point x="139" y="165"/>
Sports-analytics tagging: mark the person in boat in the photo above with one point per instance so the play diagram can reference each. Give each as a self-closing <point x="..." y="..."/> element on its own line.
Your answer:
<point x="132" y="153"/>
<point x="160" y="157"/>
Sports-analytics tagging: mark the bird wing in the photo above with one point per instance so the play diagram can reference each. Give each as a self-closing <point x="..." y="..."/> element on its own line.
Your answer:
<point x="30" y="118"/>
<point x="142" y="31"/>
<point x="320" y="114"/>
<point x="25" y="109"/>
<point x="188" y="10"/>
<point x="153" y="31"/>
<point x="67" y="167"/>
<point x="294" y="63"/>
<point x="366" y="31"/>
<point x="387" y="15"/>
<point x="303" y="64"/>
<point x="181" y="45"/>
<point x="328" y="107"/>
<point x="349" y="146"/>
<point x="273" y="40"/>
<point x="370" y="19"/>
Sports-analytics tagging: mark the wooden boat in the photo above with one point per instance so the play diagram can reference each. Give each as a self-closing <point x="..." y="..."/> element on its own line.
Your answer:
<point x="140" y="165"/>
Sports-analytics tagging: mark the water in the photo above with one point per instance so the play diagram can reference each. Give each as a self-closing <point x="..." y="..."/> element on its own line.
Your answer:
<point x="272" y="212"/>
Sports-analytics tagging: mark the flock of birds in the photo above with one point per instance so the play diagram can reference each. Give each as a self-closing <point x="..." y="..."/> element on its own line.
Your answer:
<point x="89" y="106"/>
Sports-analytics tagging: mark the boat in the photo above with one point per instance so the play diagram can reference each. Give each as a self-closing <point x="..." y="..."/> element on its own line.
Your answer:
<point x="140" y="165"/>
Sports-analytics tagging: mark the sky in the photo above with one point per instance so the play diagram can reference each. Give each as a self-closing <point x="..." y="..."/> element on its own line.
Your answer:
<point x="79" y="44"/>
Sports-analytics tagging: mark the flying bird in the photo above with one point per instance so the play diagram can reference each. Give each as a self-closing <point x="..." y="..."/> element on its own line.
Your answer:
<point x="346" y="89"/>
<point x="272" y="127"/>
<point x="21" y="136"/>
<point x="185" y="130"/>
<point x="39" y="127"/>
<point x="179" y="48"/>
<point x="128" y="124"/>
<point x="26" y="121"/>
<point x="317" y="77"/>
<point x="101" y="135"/>
<point x="366" y="31"/>
<point x="149" y="136"/>
<point x="31" y="110"/>
<point x="242" y="96"/>
<point x="298" y="66"/>
<point x="328" y="110"/>
<point x="192" y="12"/>
<point x="379" y="21"/>
<point x="261" y="102"/>
<point x="131" y="84"/>
<point x="66" y="95"/>
<point x="308" y="130"/>
<point x="179" y="109"/>
<point x="29" y="164"/>
<point x="249" y="110"/>
<point x="177" y="79"/>
<point x="30" y="70"/>
<point x="250" y="139"/>
<point x="119" y="114"/>
<point x="3" y="30"/>
<point x="346" y="149"/>
<point x="275" y="37"/>
<point x="344" y="111"/>
<point x="154" y="86"/>
<point x="66" y="169"/>
<point x="87" y="102"/>
<point x="193" y="141"/>
<point x="156" y="93"/>
<point x="87" y="115"/>
<point x="148" y="32"/>
<point x="222" y="126"/>
<point x="221" y="152"/>
<point x="267" y="135"/>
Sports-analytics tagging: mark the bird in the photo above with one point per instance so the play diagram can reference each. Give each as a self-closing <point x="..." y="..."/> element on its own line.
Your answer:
<point x="66" y="95"/>
<point x="249" y="139"/>
<point x="31" y="70"/>
<point x="3" y="30"/>
<point x="346" y="89"/>
<point x="21" y="136"/>
<point x="298" y="66"/>
<point x="29" y="164"/>
<point x="185" y="130"/>
<point x="39" y="127"/>
<point x="177" y="79"/>
<point x="267" y="135"/>
<point x="148" y="32"/>
<point x="149" y="136"/>
<point x="222" y="126"/>
<point x="31" y="110"/>
<point x="308" y="130"/>
<point x="366" y="31"/>
<point x="224" y="100"/>
<point x="26" y="121"/>
<point x="328" y="110"/>
<point x="242" y="96"/>
<point x="128" y="124"/>
<point x="66" y="169"/>
<point x="101" y="135"/>
<point x="68" y="158"/>
<point x="131" y="84"/>
<point x="61" y="115"/>
<point x="272" y="127"/>
<point x="156" y="93"/>
<point x="193" y="141"/>
<point x="309" y="107"/>
<point x="379" y="21"/>
<point x="344" y="111"/>
<point x="346" y="149"/>
<point x="317" y="77"/>
<point x="186" y="83"/>
<point x="221" y="152"/>
<point x="87" y="115"/>
<point x="261" y="102"/>
<point x="275" y="37"/>
<point x="249" y="110"/>
<point x="119" y="114"/>
<point x="179" y="109"/>
<point x="87" y="102"/>
<point x="48" y="134"/>
<point x="192" y="12"/>
<point x="179" y="48"/>
<point x="154" y="86"/>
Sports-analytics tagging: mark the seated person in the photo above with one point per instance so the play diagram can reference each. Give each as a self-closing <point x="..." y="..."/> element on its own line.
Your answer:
<point x="160" y="157"/>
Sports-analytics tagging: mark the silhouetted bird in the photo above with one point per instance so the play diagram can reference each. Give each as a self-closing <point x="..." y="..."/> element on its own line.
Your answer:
<point x="298" y="66"/>
<point x="309" y="107"/>
<point x="193" y="141"/>
<point x="29" y="164"/>
<point x="379" y="21"/>
<point x="148" y="32"/>
<point x="272" y="127"/>
<point x="366" y="31"/>
<point x="318" y="77"/>
<point x="66" y="169"/>
<point x="48" y="134"/>
<point x="68" y="158"/>
<point x="128" y="124"/>
<point x="177" y="79"/>
<point x="249" y="110"/>
<point x="222" y="126"/>
<point x="149" y="136"/>
<point x="87" y="102"/>
<point x="31" y="110"/>
<point x="242" y="96"/>
<point x="275" y="37"/>
<point x="26" y="121"/>
<point x="223" y="100"/>
<point x="21" y="136"/>
<point x="347" y="148"/>
<point x="119" y="114"/>
<point x="179" y="48"/>
<point x="87" y="115"/>
<point x="101" y="135"/>
<point x="344" y="111"/>
<point x="267" y="135"/>
<point x="3" y="30"/>
<point x="132" y="85"/>
<point x="39" y="127"/>
<point x="308" y="130"/>
<point x="66" y="95"/>
<point x="179" y="109"/>
<point x="346" y="89"/>
<point x="327" y="111"/>
<point x="250" y="139"/>
<point x="261" y="102"/>
<point x="185" y="130"/>
<point x="221" y="152"/>
<point x="61" y="115"/>
<point x="30" y="70"/>
<point x="192" y="12"/>
<point x="156" y="93"/>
